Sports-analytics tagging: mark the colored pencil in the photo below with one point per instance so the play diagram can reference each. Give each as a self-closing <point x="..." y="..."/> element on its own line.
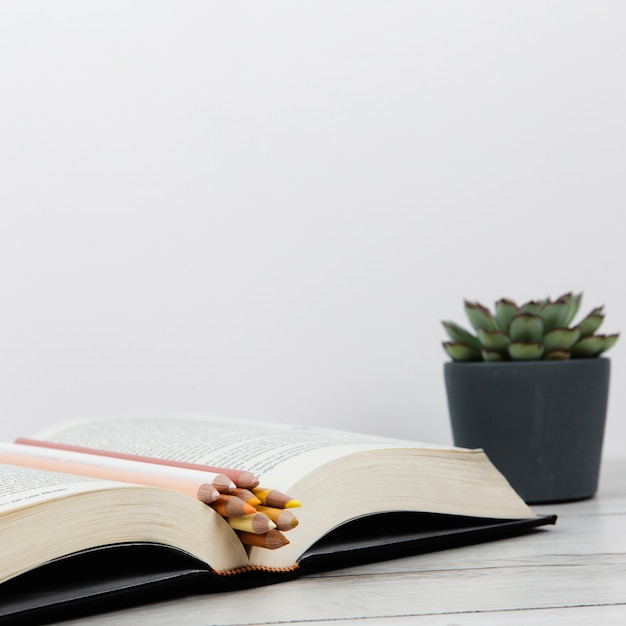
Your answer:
<point x="219" y="481"/>
<point x="283" y="518"/>
<point x="230" y="506"/>
<point x="258" y="523"/>
<point x="245" y="494"/>
<point x="241" y="478"/>
<point x="271" y="497"/>
<point x="272" y="539"/>
<point x="201" y="491"/>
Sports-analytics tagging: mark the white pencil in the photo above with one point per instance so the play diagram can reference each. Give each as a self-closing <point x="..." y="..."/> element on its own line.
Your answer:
<point x="204" y="492"/>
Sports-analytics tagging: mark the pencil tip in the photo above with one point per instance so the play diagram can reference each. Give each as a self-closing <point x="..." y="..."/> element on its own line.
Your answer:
<point x="222" y="483"/>
<point x="247" y="480"/>
<point x="277" y="539"/>
<point x="207" y="493"/>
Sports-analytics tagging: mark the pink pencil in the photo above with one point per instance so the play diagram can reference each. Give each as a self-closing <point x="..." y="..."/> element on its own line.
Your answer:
<point x="241" y="478"/>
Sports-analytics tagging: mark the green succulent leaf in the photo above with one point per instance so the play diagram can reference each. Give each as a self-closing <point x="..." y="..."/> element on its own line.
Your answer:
<point x="493" y="355"/>
<point x="480" y="316"/>
<point x="553" y="315"/>
<point x="573" y="303"/>
<point x="459" y="334"/>
<point x="539" y="329"/>
<point x="588" y="346"/>
<point x="557" y="355"/>
<point x="461" y="351"/>
<point x="561" y="339"/>
<point x="525" y="351"/>
<point x="609" y="341"/>
<point x="506" y="310"/>
<point x="532" y="308"/>
<point x="591" y="323"/>
<point x="494" y="339"/>
<point x="526" y="327"/>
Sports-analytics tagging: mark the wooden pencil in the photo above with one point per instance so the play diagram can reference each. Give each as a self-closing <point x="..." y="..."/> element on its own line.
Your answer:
<point x="204" y="492"/>
<point x="245" y="494"/>
<point x="283" y="518"/>
<point x="271" y="540"/>
<point x="241" y="478"/>
<point x="229" y="506"/>
<point x="271" y="497"/>
<point x="258" y="523"/>
<point x="219" y="481"/>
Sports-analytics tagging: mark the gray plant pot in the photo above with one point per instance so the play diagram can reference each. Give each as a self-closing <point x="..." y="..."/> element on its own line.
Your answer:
<point x="540" y="422"/>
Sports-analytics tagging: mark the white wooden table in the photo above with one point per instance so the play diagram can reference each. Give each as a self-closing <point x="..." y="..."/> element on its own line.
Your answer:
<point x="574" y="573"/>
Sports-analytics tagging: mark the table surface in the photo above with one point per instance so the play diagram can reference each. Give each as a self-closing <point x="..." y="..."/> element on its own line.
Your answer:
<point x="574" y="573"/>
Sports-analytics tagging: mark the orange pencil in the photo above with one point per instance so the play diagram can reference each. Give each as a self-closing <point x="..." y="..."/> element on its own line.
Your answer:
<point x="283" y="518"/>
<point x="271" y="497"/>
<point x="241" y="478"/>
<point x="245" y="494"/>
<point x="203" y="492"/>
<point x="258" y="523"/>
<point x="272" y="539"/>
<point x="230" y="506"/>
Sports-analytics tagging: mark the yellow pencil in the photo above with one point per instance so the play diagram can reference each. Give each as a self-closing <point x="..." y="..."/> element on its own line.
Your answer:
<point x="283" y="518"/>
<point x="258" y="523"/>
<point x="271" y="497"/>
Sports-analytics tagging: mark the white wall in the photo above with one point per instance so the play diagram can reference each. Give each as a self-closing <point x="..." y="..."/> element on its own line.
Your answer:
<point x="265" y="209"/>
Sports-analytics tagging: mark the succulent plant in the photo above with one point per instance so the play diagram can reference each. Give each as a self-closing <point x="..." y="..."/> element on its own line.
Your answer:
<point x="536" y="330"/>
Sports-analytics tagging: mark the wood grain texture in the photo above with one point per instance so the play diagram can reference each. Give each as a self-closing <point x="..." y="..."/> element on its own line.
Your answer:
<point x="572" y="573"/>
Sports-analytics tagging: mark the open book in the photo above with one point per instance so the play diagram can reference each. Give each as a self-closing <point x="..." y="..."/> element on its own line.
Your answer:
<point x="363" y="497"/>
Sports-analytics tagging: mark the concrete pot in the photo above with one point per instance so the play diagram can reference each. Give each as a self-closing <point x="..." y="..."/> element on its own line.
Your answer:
<point x="540" y="422"/>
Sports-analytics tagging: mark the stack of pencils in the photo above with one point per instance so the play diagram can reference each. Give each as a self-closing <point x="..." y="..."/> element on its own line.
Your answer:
<point x="260" y="516"/>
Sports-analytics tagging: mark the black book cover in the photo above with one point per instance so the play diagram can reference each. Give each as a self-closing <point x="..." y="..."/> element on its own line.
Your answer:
<point x="113" y="578"/>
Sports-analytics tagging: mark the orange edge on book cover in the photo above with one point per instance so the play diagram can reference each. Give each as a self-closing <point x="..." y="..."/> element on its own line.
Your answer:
<point x="256" y="568"/>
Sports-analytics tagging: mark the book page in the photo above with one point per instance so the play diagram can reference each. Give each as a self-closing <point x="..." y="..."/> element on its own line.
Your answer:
<point x="24" y="486"/>
<point x="257" y="447"/>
